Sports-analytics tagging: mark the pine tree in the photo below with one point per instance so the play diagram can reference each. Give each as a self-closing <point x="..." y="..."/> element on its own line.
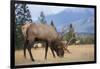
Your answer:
<point x="41" y="18"/>
<point x="22" y="15"/>
<point x="71" y="31"/>
<point x="52" y="24"/>
<point x="70" y="34"/>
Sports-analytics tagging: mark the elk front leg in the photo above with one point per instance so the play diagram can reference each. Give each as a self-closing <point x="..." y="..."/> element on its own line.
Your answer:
<point x="52" y="51"/>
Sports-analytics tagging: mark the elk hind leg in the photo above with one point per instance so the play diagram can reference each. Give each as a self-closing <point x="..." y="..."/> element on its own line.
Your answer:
<point x="46" y="50"/>
<point x="25" y="47"/>
<point x="29" y="50"/>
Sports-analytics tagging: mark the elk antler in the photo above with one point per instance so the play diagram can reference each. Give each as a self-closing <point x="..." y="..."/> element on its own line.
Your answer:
<point x="66" y="45"/>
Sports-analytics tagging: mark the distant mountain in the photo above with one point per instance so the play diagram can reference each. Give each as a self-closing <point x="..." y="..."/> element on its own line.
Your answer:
<point x="82" y="19"/>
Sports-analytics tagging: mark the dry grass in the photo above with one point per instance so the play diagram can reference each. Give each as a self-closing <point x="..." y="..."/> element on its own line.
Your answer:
<point x="79" y="53"/>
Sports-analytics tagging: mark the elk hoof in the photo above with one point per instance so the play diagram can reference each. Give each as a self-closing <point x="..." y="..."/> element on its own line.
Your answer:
<point x="25" y="57"/>
<point x="45" y="58"/>
<point x="54" y="57"/>
<point x="33" y="60"/>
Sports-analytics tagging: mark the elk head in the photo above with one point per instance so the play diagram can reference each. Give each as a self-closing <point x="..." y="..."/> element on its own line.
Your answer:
<point x="58" y="48"/>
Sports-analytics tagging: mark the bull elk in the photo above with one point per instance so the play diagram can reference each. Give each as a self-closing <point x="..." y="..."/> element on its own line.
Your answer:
<point x="33" y="32"/>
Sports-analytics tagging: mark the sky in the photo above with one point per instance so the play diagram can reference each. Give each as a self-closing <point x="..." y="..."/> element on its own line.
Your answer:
<point x="69" y="15"/>
<point x="48" y="10"/>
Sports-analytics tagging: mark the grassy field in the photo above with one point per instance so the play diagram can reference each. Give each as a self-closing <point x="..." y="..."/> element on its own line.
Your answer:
<point x="79" y="53"/>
